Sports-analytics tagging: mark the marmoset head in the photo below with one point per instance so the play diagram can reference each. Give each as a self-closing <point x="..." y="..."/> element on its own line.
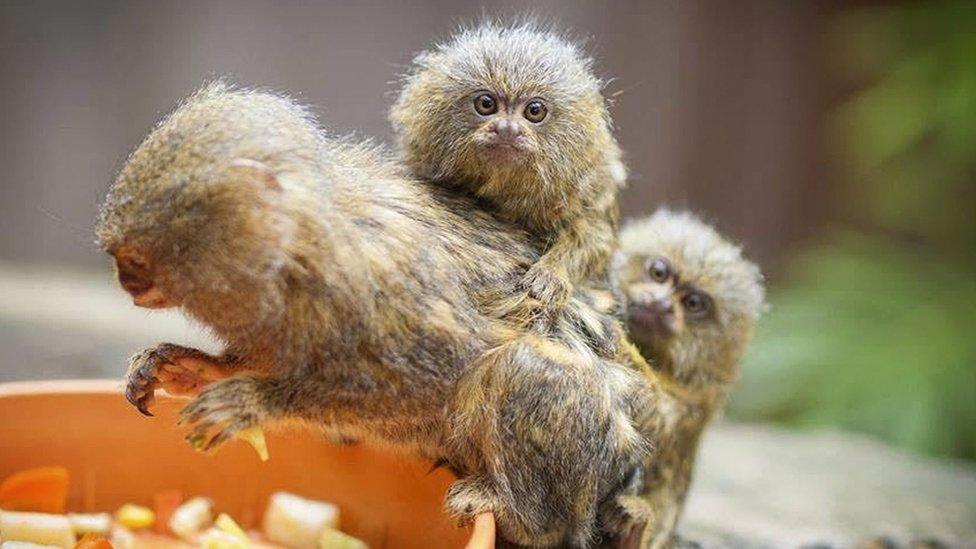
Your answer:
<point x="499" y="107"/>
<point x="692" y="299"/>
<point x="194" y="218"/>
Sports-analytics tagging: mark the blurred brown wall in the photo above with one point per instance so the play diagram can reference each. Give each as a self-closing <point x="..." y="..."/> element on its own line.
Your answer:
<point x="719" y="102"/>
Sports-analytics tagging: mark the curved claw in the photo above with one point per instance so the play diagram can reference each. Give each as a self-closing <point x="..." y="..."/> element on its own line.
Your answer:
<point x="142" y="381"/>
<point x="137" y="401"/>
<point x="139" y="391"/>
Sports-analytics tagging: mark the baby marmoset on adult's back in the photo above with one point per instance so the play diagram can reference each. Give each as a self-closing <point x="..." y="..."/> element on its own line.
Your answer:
<point x="691" y="303"/>
<point x="514" y="115"/>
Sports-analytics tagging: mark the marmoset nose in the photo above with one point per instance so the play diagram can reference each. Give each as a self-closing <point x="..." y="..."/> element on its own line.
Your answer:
<point x="658" y="306"/>
<point x="133" y="272"/>
<point x="662" y="307"/>
<point x="505" y="127"/>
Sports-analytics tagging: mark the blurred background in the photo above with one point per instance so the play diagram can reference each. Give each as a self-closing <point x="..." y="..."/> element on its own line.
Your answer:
<point x="835" y="140"/>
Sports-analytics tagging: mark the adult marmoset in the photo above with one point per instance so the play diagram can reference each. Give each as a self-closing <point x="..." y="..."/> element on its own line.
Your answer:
<point x="347" y="296"/>
<point x="691" y="303"/>
<point x="515" y="116"/>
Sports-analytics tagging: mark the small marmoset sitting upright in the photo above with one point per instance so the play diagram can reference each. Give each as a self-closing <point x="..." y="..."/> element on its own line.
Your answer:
<point x="691" y="303"/>
<point x="514" y="115"/>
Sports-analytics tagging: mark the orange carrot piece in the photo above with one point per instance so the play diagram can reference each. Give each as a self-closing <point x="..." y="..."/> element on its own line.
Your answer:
<point x="38" y="490"/>
<point x="164" y="503"/>
<point x="93" y="541"/>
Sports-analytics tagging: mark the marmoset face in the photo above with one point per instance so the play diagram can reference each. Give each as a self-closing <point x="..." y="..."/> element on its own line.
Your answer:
<point x="502" y="100"/>
<point x="664" y="306"/>
<point x="692" y="299"/>
<point x="506" y="130"/>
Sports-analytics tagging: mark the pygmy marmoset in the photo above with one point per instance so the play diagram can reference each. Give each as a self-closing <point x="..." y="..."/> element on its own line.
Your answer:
<point x="347" y="296"/>
<point x="691" y="303"/>
<point x="514" y="115"/>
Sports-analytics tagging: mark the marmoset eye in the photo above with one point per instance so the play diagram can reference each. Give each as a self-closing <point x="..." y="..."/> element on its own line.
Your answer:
<point x="535" y="111"/>
<point x="658" y="269"/>
<point x="485" y="104"/>
<point x="696" y="303"/>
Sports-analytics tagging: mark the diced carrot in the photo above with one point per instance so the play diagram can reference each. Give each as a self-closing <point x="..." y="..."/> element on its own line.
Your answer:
<point x="164" y="503"/>
<point x="93" y="541"/>
<point x="38" y="490"/>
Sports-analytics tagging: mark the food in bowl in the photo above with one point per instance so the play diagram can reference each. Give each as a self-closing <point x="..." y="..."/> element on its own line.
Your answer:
<point x="290" y="521"/>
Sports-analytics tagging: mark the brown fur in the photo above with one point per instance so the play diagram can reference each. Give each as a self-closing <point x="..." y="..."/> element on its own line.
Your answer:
<point x="695" y="356"/>
<point x="351" y="297"/>
<point x="562" y="183"/>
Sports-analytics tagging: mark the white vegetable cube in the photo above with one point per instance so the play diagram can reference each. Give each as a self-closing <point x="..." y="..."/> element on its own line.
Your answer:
<point x="122" y="537"/>
<point x="38" y="528"/>
<point x="297" y="522"/>
<point x="98" y="523"/>
<point x="191" y="518"/>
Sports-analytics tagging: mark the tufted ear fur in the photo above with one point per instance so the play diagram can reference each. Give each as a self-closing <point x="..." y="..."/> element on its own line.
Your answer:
<point x="253" y="170"/>
<point x="259" y="198"/>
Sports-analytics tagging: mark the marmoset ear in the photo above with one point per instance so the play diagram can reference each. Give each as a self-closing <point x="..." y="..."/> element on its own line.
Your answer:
<point x="258" y="197"/>
<point x="253" y="170"/>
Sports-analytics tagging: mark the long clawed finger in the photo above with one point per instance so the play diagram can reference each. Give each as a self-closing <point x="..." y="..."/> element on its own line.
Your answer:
<point x="140" y="399"/>
<point x="141" y="386"/>
<point x="201" y="440"/>
<point x="220" y="437"/>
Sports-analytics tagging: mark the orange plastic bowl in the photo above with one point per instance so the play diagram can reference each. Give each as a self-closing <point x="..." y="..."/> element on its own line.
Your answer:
<point x="116" y="456"/>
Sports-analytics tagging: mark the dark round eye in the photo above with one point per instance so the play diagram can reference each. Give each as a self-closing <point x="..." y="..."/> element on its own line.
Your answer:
<point x="535" y="111"/>
<point x="696" y="303"/>
<point x="658" y="269"/>
<point x="485" y="104"/>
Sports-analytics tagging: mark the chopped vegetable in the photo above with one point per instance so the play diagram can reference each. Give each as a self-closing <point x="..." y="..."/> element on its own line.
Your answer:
<point x="252" y="435"/>
<point x="23" y="545"/>
<point x="215" y="538"/>
<point x="165" y="504"/>
<point x="227" y="524"/>
<point x="39" y="490"/>
<point x="255" y="437"/>
<point x="98" y="523"/>
<point x="37" y="528"/>
<point x="191" y="518"/>
<point x="93" y="541"/>
<point x="483" y="534"/>
<point x="225" y="534"/>
<point x="122" y="537"/>
<point x="334" y="539"/>
<point x="135" y="517"/>
<point x="297" y="522"/>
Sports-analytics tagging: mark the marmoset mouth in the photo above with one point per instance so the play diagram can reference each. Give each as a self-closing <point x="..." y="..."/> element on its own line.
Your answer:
<point x="653" y="323"/>
<point x="504" y="149"/>
<point x="151" y="299"/>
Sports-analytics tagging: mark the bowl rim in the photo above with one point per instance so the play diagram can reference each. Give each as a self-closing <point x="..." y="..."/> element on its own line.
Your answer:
<point x="60" y="386"/>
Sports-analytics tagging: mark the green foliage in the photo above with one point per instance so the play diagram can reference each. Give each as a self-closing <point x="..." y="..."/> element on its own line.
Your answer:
<point x="870" y="337"/>
<point x="876" y="330"/>
<point x="908" y="138"/>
